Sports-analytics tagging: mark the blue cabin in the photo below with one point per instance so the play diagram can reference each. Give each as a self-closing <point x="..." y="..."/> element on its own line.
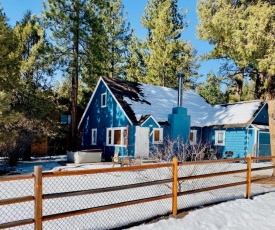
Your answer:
<point x="138" y="119"/>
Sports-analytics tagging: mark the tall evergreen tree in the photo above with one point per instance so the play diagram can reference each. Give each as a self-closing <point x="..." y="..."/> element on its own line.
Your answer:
<point x="9" y="72"/>
<point x="72" y="25"/>
<point x="116" y="37"/>
<point x="27" y="100"/>
<point x="135" y="64"/>
<point x="166" y="53"/>
<point x="243" y="31"/>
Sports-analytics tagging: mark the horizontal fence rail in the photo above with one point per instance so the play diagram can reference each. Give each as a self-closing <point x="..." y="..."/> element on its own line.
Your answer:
<point x="99" y="190"/>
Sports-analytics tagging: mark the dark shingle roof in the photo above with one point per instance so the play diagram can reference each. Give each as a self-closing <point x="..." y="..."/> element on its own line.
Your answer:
<point x="120" y="89"/>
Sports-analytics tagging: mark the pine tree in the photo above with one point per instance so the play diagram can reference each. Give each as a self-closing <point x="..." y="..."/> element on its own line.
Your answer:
<point x="9" y="72"/>
<point x="27" y="101"/>
<point x="243" y="31"/>
<point x="116" y="37"/>
<point x="72" y="24"/>
<point x="211" y="90"/>
<point x="166" y="53"/>
<point x="135" y="64"/>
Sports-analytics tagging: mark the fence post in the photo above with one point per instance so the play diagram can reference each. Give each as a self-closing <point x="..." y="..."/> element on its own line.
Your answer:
<point x="175" y="187"/>
<point x="38" y="197"/>
<point x="248" y="185"/>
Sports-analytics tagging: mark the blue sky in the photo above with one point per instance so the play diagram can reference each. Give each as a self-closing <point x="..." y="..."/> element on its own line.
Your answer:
<point x="15" y="10"/>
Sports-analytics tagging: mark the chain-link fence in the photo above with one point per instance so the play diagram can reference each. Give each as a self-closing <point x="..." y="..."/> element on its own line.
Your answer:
<point x="262" y="176"/>
<point x="22" y="190"/>
<point x="202" y="184"/>
<point x="113" y="198"/>
<point x="97" y="199"/>
<point x="101" y="192"/>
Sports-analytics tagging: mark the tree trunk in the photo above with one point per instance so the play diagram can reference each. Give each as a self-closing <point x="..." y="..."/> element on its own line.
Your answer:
<point x="271" y="115"/>
<point x="239" y="81"/>
<point x="73" y="141"/>
<point x="259" y="83"/>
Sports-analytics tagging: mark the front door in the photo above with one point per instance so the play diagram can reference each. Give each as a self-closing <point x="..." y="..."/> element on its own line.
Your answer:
<point x="142" y="142"/>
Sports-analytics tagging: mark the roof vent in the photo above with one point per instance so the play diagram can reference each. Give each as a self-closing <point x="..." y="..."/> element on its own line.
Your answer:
<point x="180" y="82"/>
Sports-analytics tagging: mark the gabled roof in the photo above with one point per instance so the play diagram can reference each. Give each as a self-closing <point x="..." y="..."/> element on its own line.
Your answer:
<point x="140" y="100"/>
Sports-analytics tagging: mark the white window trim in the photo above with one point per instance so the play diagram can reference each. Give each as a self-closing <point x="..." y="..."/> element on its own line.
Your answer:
<point x="217" y="132"/>
<point x="93" y="137"/>
<point x="160" y="136"/>
<point x="194" y="137"/>
<point x="103" y="95"/>
<point x="123" y="129"/>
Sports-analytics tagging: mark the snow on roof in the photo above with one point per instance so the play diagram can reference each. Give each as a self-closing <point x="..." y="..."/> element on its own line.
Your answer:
<point x="162" y="100"/>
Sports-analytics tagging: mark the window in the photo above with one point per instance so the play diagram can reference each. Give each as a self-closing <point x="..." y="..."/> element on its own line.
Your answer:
<point x="104" y="100"/>
<point x="109" y="135"/>
<point x="193" y="137"/>
<point x="157" y="136"/>
<point x="94" y="137"/>
<point x="116" y="136"/>
<point x="220" y="137"/>
<point x="65" y="119"/>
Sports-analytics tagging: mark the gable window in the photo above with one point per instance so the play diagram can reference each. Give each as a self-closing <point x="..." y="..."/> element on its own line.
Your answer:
<point x="104" y="100"/>
<point x="193" y="137"/>
<point x="157" y="136"/>
<point x="94" y="137"/>
<point x="116" y="136"/>
<point x="220" y="137"/>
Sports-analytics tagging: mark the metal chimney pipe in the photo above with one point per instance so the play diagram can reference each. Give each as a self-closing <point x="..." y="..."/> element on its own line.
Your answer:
<point x="180" y="82"/>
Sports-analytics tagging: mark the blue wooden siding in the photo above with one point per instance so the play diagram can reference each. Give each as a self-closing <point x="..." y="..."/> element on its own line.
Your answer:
<point x="131" y="139"/>
<point x="235" y="140"/>
<point x="262" y="117"/>
<point x="101" y="118"/>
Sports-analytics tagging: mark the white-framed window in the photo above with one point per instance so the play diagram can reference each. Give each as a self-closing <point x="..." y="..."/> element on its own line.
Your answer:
<point x="220" y="137"/>
<point x="193" y="137"/>
<point x="157" y="136"/>
<point x="104" y="100"/>
<point x="116" y="136"/>
<point x="94" y="136"/>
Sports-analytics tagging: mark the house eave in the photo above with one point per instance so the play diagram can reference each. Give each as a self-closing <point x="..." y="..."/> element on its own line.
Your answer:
<point x="243" y="125"/>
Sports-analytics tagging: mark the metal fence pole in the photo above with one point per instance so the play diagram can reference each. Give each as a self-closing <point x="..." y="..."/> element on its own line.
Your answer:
<point x="248" y="185"/>
<point x="175" y="187"/>
<point x="38" y="197"/>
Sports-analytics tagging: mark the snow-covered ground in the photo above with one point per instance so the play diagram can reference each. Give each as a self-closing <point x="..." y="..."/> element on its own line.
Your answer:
<point x="123" y="216"/>
<point x="241" y="214"/>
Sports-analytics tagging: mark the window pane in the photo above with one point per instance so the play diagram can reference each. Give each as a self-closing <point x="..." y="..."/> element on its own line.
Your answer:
<point x="117" y="137"/>
<point x="110" y="137"/>
<point x="94" y="137"/>
<point x="103" y="99"/>
<point x="220" y="138"/>
<point x="65" y="119"/>
<point x="69" y="119"/>
<point x="156" y="135"/>
<point x="191" y="137"/>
